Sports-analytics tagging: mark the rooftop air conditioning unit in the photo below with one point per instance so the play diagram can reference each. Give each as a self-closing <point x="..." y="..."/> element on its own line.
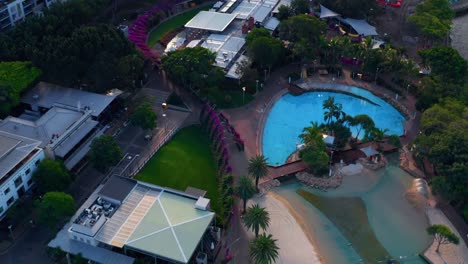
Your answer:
<point x="202" y="203"/>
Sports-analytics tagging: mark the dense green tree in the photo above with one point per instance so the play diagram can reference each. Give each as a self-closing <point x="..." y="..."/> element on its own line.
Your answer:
<point x="15" y="77"/>
<point x="332" y="110"/>
<point x="193" y="68"/>
<point x="306" y="32"/>
<point x="54" y="208"/>
<point x="266" y="52"/>
<point x="442" y="235"/>
<point x="51" y="175"/>
<point x="245" y="190"/>
<point x="433" y="18"/>
<point x="256" y="218"/>
<point x="350" y="8"/>
<point x="284" y="12"/>
<point x="263" y="249"/>
<point x="394" y="140"/>
<point x="439" y="58"/>
<point x="314" y="152"/>
<point x="341" y="133"/>
<point x="444" y="143"/>
<point x="255" y="34"/>
<point x="70" y="51"/>
<point x="104" y="153"/>
<point x="258" y="168"/>
<point x="361" y="122"/>
<point x="300" y="6"/>
<point x="144" y="117"/>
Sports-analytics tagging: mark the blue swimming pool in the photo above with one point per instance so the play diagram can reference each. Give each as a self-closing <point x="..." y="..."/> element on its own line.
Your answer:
<point x="290" y="114"/>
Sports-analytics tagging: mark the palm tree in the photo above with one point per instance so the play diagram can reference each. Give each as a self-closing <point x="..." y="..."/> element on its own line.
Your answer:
<point x="258" y="168"/>
<point x="263" y="249"/>
<point x="334" y="110"/>
<point x="255" y="218"/>
<point x="245" y="190"/>
<point x="312" y="135"/>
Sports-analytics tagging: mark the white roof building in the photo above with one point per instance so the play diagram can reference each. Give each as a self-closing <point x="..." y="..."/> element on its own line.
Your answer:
<point x="210" y="21"/>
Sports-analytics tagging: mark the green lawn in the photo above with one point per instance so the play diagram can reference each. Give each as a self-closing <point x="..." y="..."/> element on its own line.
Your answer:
<point x="349" y="215"/>
<point x="185" y="161"/>
<point x="171" y="24"/>
<point x="229" y="99"/>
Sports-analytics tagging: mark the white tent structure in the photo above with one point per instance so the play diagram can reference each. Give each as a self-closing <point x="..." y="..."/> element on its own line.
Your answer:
<point x="325" y="12"/>
<point x="361" y="26"/>
<point x="369" y="151"/>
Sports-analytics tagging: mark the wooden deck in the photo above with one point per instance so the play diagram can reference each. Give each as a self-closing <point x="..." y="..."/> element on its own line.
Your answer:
<point x="275" y="172"/>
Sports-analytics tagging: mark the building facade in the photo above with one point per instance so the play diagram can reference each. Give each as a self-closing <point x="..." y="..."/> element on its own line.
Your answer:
<point x="19" y="158"/>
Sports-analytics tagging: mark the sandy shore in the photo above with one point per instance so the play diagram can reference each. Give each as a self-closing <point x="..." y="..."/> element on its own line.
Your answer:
<point x="296" y="245"/>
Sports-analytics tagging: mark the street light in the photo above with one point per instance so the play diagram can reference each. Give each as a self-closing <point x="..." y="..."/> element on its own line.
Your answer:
<point x="165" y="122"/>
<point x="256" y="87"/>
<point x="376" y="73"/>
<point x="11" y="232"/>
<point x="407" y="90"/>
<point x="243" y="95"/>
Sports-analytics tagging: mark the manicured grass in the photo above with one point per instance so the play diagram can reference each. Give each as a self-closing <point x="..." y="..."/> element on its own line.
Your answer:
<point x="171" y="24"/>
<point x="185" y="161"/>
<point x="234" y="98"/>
<point x="349" y="215"/>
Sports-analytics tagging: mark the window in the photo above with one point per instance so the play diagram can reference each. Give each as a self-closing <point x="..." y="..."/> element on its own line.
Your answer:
<point x="28" y="171"/>
<point x="29" y="182"/>
<point x="1" y="209"/>
<point x="37" y="162"/>
<point x="10" y="201"/>
<point x="18" y="181"/>
<point x="7" y="190"/>
<point x="75" y="237"/>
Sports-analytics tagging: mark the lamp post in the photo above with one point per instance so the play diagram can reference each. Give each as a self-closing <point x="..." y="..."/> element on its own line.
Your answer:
<point x="407" y="90"/>
<point x="376" y="74"/>
<point x="165" y="122"/>
<point x="243" y="95"/>
<point x="256" y="87"/>
<point x="11" y="232"/>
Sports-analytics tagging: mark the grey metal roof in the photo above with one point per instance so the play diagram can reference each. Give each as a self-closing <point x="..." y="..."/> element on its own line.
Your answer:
<point x="13" y="149"/>
<point x="47" y="95"/>
<point x="97" y="254"/>
<point x="195" y="191"/>
<point x="56" y="121"/>
<point x="72" y="139"/>
<point x="118" y="188"/>
<point x="212" y="21"/>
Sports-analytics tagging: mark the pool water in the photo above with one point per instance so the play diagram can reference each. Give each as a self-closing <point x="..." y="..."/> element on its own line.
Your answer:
<point x="290" y="114"/>
<point x="398" y="226"/>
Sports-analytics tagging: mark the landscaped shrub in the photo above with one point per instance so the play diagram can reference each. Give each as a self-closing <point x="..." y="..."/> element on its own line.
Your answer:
<point x="166" y="38"/>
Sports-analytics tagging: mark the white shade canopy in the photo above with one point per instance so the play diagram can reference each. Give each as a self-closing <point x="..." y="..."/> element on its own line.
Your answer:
<point x="361" y="26"/>
<point x="325" y="12"/>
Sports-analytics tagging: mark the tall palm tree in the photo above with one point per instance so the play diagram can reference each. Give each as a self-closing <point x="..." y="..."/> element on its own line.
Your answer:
<point x="333" y="110"/>
<point x="263" y="249"/>
<point x="258" y="168"/>
<point x="245" y="190"/>
<point x="256" y="217"/>
<point x="312" y="135"/>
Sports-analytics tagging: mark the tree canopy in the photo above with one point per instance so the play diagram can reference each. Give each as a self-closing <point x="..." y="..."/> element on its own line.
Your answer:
<point x="446" y="62"/>
<point x="104" y="153"/>
<point x="73" y="53"/>
<point x="54" y="208"/>
<point x="144" y="117"/>
<point x="245" y="190"/>
<point x="15" y="77"/>
<point x="314" y="152"/>
<point x="193" y="68"/>
<point x="433" y="18"/>
<point x="258" y="168"/>
<point x="265" y="51"/>
<point x="306" y="32"/>
<point x="442" y="235"/>
<point x="51" y="175"/>
<point x="350" y="8"/>
<point x="444" y="143"/>
<point x="263" y="249"/>
<point x="300" y="6"/>
<point x="256" y="218"/>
